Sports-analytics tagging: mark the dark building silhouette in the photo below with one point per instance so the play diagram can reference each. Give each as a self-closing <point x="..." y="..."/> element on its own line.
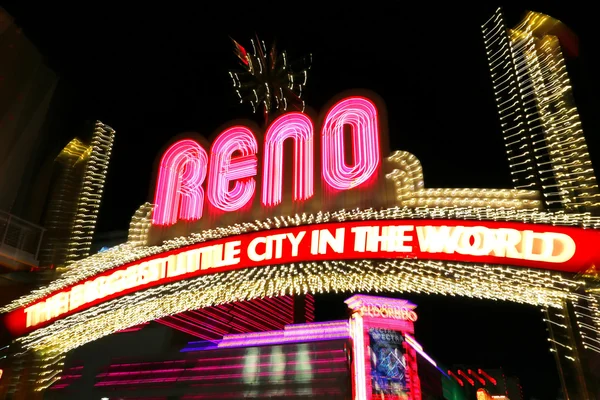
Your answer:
<point x="27" y="87"/>
<point x="477" y="383"/>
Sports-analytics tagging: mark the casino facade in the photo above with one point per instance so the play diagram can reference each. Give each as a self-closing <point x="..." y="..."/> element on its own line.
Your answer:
<point x="319" y="203"/>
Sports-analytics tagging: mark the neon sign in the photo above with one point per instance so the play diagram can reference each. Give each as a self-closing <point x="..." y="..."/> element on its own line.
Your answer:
<point x="232" y="166"/>
<point x="528" y="245"/>
<point x="381" y="322"/>
<point x="361" y="115"/>
<point x="376" y="311"/>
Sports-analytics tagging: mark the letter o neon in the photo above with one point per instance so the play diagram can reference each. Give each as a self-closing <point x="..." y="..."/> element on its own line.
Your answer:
<point x="361" y="115"/>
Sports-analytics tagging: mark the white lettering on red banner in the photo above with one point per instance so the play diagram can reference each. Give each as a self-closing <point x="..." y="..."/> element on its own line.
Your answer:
<point x="483" y="242"/>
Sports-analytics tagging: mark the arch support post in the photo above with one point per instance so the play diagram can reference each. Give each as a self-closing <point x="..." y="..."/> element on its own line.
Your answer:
<point x="573" y="336"/>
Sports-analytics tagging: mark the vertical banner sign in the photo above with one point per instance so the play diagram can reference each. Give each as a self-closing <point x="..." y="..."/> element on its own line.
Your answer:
<point x="388" y="365"/>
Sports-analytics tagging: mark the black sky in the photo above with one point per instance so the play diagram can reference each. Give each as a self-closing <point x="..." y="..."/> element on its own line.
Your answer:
<point x="153" y="71"/>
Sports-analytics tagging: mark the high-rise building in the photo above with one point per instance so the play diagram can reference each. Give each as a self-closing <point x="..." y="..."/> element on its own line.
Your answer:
<point x="542" y="131"/>
<point x="27" y="87"/>
<point x="62" y="205"/>
<point x="90" y="197"/>
<point x="79" y="176"/>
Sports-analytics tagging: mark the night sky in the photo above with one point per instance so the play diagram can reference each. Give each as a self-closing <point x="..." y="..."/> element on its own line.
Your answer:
<point x="152" y="72"/>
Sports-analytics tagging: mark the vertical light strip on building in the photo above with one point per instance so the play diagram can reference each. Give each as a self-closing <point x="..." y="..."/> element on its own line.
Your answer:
<point x="509" y="96"/>
<point x="358" y="344"/>
<point x="544" y="140"/>
<point x="91" y="193"/>
<point x="570" y="160"/>
<point x="63" y="201"/>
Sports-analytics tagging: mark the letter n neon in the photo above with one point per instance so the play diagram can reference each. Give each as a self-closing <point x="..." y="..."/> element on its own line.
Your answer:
<point x="299" y="128"/>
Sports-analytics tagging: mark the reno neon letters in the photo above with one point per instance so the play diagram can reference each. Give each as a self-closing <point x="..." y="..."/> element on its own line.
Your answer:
<point x="225" y="169"/>
<point x="232" y="167"/>
<point x="361" y="115"/>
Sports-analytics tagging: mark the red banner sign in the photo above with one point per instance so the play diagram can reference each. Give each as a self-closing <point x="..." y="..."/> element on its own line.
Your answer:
<point x="527" y="245"/>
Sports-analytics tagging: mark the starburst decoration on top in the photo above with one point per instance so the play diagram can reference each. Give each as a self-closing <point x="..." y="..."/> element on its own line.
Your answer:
<point x="269" y="82"/>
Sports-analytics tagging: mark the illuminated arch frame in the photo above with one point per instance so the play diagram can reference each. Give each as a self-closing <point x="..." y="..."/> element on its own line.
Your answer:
<point x="364" y="275"/>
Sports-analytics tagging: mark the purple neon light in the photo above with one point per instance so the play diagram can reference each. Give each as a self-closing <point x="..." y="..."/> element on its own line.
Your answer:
<point x="248" y="316"/>
<point x="290" y="334"/>
<point x="115" y="378"/>
<point x="419" y="349"/>
<point x="294" y="333"/>
<point x="206" y="371"/>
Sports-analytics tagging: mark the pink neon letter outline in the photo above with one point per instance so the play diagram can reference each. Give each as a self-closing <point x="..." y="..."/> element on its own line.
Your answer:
<point x="179" y="193"/>
<point x="225" y="168"/>
<point x="299" y="127"/>
<point x="361" y="114"/>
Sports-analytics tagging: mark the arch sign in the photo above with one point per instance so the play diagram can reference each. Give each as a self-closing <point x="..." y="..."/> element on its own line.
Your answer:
<point x="198" y="187"/>
<point x="227" y="179"/>
<point x="527" y="245"/>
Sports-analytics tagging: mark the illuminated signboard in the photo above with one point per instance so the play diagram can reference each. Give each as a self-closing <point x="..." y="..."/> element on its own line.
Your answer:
<point x="292" y="169"/>
<point x="384" y="362"/>
<point x="528" y="245"/>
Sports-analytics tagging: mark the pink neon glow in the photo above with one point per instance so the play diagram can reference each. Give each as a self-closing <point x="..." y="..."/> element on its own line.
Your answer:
<point x="299" y="127"/>
<point x="142" y="374"/>
<point x="179" y="193"/>
<point x="314" y="331"/>
<point x="413" y="376"/>
<point x="198" y="378"/>
<point x="328" y="392"/>
<point x="358" y="340"/>
<point x="361" y="115"/>
<point x="271" y="313"/>
<point x="202" y="371"/>
<point x="227" y="167"/>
